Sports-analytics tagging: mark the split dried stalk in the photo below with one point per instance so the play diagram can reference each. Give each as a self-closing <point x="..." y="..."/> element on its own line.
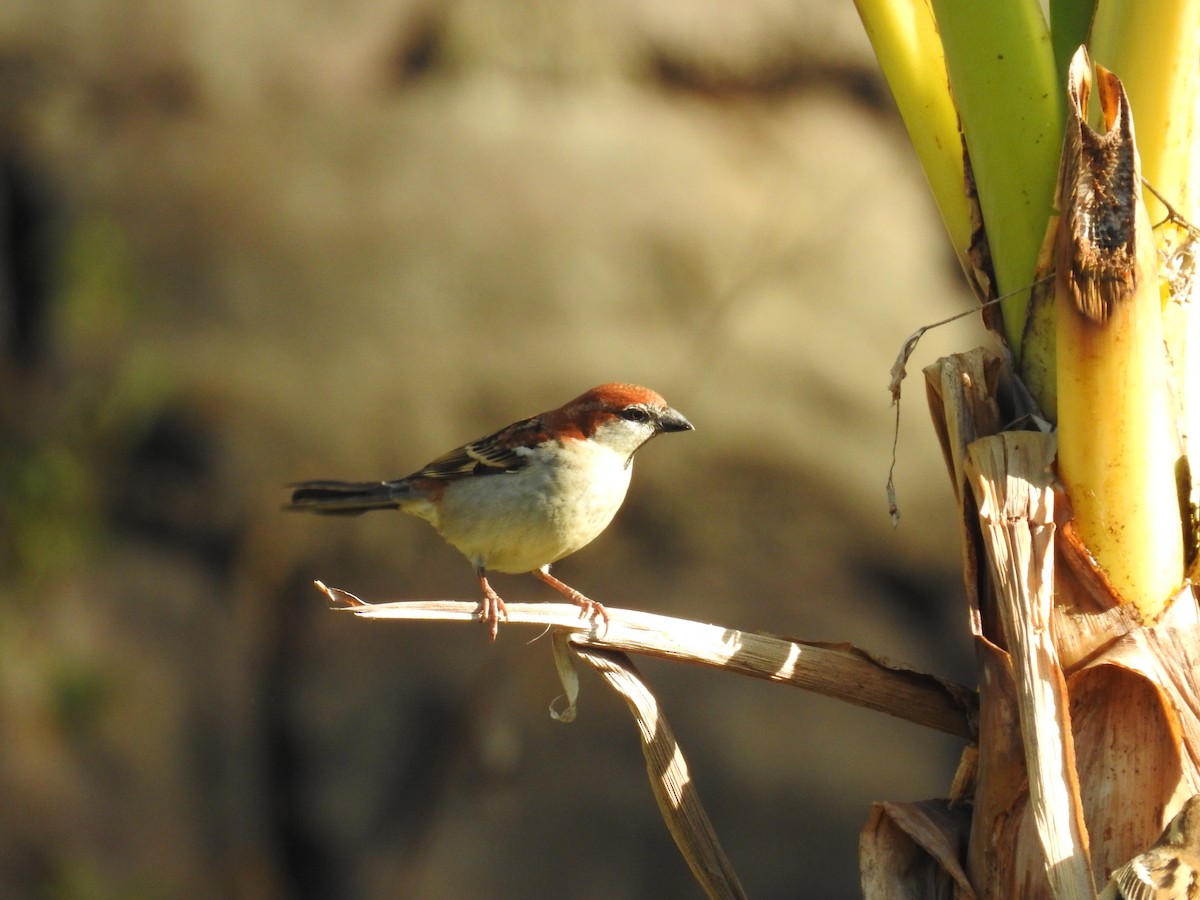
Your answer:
<point x="1010" y="476"/>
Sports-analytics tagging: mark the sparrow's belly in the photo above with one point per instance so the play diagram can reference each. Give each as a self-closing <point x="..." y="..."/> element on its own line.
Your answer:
<point x="521" y="521"/>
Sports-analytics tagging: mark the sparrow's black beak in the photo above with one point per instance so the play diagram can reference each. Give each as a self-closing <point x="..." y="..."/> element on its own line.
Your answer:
<point x="671" y="420"/>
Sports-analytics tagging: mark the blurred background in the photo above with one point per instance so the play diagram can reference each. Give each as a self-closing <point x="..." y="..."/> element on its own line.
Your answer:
<point x="248" y="244"/>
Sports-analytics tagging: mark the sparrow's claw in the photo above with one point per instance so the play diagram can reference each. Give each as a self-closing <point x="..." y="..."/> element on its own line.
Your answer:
<point x="588" y="608"/>
<point x="591" y="609"/>
<point x="493" y="608"/>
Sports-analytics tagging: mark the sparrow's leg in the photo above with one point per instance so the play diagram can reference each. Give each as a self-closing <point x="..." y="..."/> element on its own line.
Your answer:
<point x="493" y="607"/>
<point x="590" y="608"/>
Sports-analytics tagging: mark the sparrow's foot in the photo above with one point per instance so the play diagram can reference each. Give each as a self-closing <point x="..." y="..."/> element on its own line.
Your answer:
<point x="589" y="608"/>
<point x="493" y="609"/>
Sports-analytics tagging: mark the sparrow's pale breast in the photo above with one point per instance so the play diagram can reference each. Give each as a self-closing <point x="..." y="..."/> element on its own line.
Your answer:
<point x="520" y="521"/>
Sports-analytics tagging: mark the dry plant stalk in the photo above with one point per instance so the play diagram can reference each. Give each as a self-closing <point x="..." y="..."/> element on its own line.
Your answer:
<point x="836" y="670"/>
<point x="841" y="671"/>
<point x="1126" y="696"/>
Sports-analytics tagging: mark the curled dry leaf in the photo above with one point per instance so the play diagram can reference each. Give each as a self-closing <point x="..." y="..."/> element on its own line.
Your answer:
<point x="910" y="850"/>
<point x="1126" y="739"/>
<point x="670" y="780"/>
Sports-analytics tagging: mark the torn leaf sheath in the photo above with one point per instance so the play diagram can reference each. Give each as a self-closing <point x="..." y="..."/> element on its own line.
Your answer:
<point x="1098" y="193"/>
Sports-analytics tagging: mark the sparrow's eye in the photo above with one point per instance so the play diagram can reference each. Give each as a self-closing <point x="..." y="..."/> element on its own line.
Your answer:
<point x="635" y="414"/>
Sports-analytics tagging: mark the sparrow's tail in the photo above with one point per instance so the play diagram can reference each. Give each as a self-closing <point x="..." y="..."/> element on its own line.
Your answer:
<point x="342" y="498"/>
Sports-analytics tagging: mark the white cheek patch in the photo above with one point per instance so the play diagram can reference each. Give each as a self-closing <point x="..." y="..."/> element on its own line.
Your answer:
<point x="623" y="437"/>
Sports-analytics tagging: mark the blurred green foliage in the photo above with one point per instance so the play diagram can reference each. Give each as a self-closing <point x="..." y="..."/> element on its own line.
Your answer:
<point x="69" y="420"/>
<point x="79" y="692"/>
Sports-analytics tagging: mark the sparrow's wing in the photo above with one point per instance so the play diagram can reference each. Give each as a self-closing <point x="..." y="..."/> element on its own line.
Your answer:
<point x="1155" y="875"/>
<point x="505" y="451"/>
